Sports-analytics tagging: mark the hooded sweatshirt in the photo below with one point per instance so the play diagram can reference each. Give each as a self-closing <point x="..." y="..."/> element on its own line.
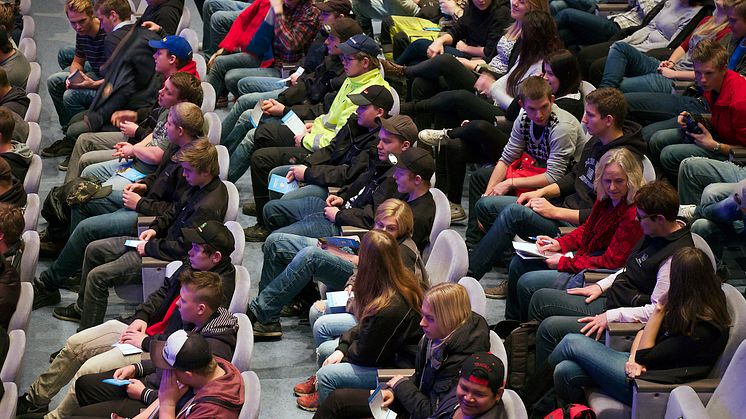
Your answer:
<point x="16" y="101"/>
<point x="15" y="195"/>
<point x="19" y="159"/>
<point x="221" y="398"/>
<point x="325" y="127"/>
<point x="576" y="187"/>
<point x="10" y="291"/>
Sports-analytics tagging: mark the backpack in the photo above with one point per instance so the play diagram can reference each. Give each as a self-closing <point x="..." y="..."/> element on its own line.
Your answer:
<point x="572" y="411"/>
<point x="520" y="346"/>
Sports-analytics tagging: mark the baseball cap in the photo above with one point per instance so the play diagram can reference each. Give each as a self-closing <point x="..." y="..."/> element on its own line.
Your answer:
<point x="344" y="28"/>
<point x="417" y="160"/>
<point x="343" y="7"/>
<point x="373" y="95"/>
<point x="360" y="43"/>
<point x="484" y="369"/>
<point x="213" y="233"/>
<point x="402" y="126"/>
<point x="739" y="194"/>
<point x="176" y="45"/>
<point x="185" y="351"/>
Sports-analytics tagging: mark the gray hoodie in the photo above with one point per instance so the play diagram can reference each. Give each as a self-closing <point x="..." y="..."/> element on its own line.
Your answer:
<point x="19" y="159"/>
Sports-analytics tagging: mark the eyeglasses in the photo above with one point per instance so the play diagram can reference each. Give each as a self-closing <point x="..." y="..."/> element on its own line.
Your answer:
<point x="346" y="59"/>
<point x="640" y="218"/>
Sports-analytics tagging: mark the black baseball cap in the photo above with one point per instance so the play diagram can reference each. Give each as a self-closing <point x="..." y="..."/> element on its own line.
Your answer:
<point x="344" y="28"/>
<point x="400" y="125"/>
<point x="213" y="233"/>
<point x="343" y="7"/>
<point x="373" y="95"/>
<point x="485" y="369"/>
<point x="418" y="161"/>
<point x="185" y="351"/>
<point x="360" y="43"/>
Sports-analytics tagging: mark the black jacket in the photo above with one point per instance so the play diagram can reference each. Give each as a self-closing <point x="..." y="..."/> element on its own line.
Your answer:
<point x="387" y="339"/>
<point x="10" y="291"/>
<point x="308" y="98"/>
<point x="482" y="28"/>
<point x="344" y="159"/>
<point x="16" y="101"/>
<point x="166" y="186"/>
<point x="195" y="207"/>
<point x="167" y="15"/>
<point x="576" y="187"/>
<point x="429" y="389"/>
<point x="15" y="195"/>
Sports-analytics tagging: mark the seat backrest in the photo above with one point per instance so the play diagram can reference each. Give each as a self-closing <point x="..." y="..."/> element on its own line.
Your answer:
<point x="133" y="5"/>
<point x="185" y="21"/>
<point x="34" y="109"/>
<point x="476" y="295"/>
<point x="29" y="27"/>
<point x="231" y="213"/>
<point x="442" y="219"/>
<point x="648" y="171"/>
<point x="214" y="127"/>
<point x="514" y="405"/>
<point x="449" y="259"/>
<point x="30" y="256"/>
<point x="737" y="310"/>
<point x="702" y="245"/>
<point x="244" y="343"/>
<point x="240" y="242"/>
<point x="27" y="46"/>
<point x="141" y="8"/>
<point x="586" y="87"/>
<point x="397" y="102"/>
<point x="730" y="395"/>
<point x="191" y="36"/>
<point x="14" y="359"/>
<point x="208" y="97"/>
<point x="240" y="300"/>
<point x="34" y="77"/>
<point x="25" y="7"/>
<point x="172" y="267"/>
<point x="33" y="141"/>
<point x="31" y="212"/>
<point x="497" y="348"/>
<point x="9" y="401"/>
<point x="224" y="160"/>
<point x="33" y="175"/>
<point x="252" y="396"/>
<point x="201" y="66"/>
<point x="20" y="318"/>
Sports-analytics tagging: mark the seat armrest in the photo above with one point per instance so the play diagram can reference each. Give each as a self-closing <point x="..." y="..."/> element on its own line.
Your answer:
<point x="149" y="262"/>
<point x="353" y="231"/>
<point x="705" y="385"/>
<point x="613" y="7"/>
<point x="333" y="190"/>
<point x="592" y="277"/>
<point x="737" y="155"/>
<point x="624" y="329"/>
<point x="145" y="220"/>
<point x="566" y="230"/>
<point x="387" y="374"/>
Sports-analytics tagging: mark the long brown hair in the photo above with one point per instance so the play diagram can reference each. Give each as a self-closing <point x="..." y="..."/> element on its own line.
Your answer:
<point x="539" y="37"/>
<point x="381" y="274"/>
<point x="695" y="293"/>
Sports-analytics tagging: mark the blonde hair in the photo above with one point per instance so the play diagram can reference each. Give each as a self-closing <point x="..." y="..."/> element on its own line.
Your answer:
<point x="450" y="305"/>
<point x="400" y="210"/>
<point x="532" y="6"/>
<point x="189" y="117"/>
<point x="78" y="6"/>
<point x="631" y="166"/>
<point x="381" y="274"/>
<point x="201" y="155"/>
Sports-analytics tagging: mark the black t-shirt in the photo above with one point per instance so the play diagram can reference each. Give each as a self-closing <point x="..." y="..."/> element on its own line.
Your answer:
<point x="423" y="209"/>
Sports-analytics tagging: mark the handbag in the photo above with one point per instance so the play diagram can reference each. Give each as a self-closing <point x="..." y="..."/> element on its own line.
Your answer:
<point x="523" y="167"/>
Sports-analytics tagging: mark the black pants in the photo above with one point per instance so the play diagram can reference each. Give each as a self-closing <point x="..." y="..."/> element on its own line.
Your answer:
<point x="476" y="142"/>
<point x="351" y="403"/>
<point x="477" y="185"/>
<point x="262" y="162"/>
<point x="99" y="399"/>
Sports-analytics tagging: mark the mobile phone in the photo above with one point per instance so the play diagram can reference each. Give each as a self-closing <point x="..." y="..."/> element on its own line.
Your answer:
<point x="691" y="125"/>
<point x="76" y="77"/>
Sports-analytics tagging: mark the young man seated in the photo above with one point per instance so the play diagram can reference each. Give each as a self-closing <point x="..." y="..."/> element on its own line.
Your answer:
<point x="11" y="228"/>
<point x="17" y="154"/>
<point x="11" y="59"/>
<point x="90" y="351"/>
<point x="628" y="296"/>
<point x="13" y="98"/>
<point x="108" y="262"/>
<point x="116" y="214"/>
<point x="479" y="391"/>
<point x="568" y="201"/>
<point x="11" y="189"/>
<point x="337" y="164"/>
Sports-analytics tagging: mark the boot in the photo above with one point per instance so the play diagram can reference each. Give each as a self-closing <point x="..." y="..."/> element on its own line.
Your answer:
<point x="393" y="70"/>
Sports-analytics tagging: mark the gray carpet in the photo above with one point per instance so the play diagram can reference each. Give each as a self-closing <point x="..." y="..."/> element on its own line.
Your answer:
<point x="279" y="364"/>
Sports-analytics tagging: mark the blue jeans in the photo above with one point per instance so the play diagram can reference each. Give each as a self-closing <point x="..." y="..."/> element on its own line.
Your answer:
<point x="341" y="375"/>
<point x="668" y="148"/>
<point x="555" y="6"/>
<point x="577" y="27"/>
<point x="524" y="278"/>
<point x="240" y="81"/>
<point x="306" y="263"/>
<point x="217" y="18"/>
<point x="223" y="64"/>
<point x="503" y="218"/>
<point x="722" y="220"/>
<point x="580" y="361"/>
<point x="68" y="102"/>
<point x="95" y="207"/>
<point x="416" y="52"/>
<point x="122" y="222"/>
<point x="329" y="326"/>
<point x="300" y="193"/>
<point x="232" y="133"/>
<point x="695" y="173"/>
<point x="656" y="107"/>
<point x="304" y="217"/>
<point x="630" y="70"/>
<point x="107" y="172"/>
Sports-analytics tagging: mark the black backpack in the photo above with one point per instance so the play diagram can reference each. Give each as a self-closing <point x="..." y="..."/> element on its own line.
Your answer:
<point x="520" y="346"/>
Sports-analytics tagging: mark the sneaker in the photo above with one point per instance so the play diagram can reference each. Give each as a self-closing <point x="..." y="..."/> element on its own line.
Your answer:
<point x="687" y="212"/>
<point x="53" y="355"/>
<point x="50" y="249"/>
<point x="433" y="137"/>
<point x="249" y="209"/>
<point x="256" y="233"/>
<point x="305" y="388"/>
<point x="45" y="297"/>
<point x="72" y="284"/>
<point x="59" y="148"/>
<point x="497" y="292"/>
<point x="309" y="403"/>
<point x="26" y="409"/>
<point x="267" y="330"/>
<point x="69" y="313"/>
<point x="62" y="167"/>
<point x="457" y="213"/>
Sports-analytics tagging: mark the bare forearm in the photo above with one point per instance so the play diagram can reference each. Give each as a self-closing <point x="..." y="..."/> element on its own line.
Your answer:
<point x="531" y="182"/>
<point x="149" y="155"/>
<point x="635" y="345"/>
<point x="474" y="51"/>
<point x="498" y="175"/>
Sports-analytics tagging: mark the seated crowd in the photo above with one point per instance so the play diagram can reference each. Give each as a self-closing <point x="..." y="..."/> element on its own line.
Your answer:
<point x="341" y="129"/>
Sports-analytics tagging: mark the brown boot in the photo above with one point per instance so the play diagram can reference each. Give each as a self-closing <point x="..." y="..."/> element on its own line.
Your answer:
<point x="393" y="70"/>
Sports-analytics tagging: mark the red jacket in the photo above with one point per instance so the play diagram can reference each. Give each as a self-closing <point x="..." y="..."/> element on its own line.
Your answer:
<point x="220" y="398"/>
<point x="244" y="27"/>
<point x="729" y="110"/>
<point x="191" y="68"/>
<point x="612" y="230"/>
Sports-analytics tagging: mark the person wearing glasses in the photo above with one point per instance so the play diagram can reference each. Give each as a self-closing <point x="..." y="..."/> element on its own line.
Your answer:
<point x="627" y="296"/>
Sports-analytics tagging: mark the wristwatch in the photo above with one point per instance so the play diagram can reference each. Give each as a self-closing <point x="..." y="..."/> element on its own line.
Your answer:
<point x="717" y="147"/>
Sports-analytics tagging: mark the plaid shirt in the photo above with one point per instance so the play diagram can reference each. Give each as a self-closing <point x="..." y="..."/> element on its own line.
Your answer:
<point x="294" y="32"/>
<point x="635" y="15"/>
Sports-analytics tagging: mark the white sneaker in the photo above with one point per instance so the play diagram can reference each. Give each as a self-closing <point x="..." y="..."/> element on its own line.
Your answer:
<point x="687" y="212"/>
<point x="432" y="137"/>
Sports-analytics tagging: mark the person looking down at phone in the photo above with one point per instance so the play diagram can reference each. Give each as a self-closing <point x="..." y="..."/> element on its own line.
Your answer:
<point x="725" y="94"/>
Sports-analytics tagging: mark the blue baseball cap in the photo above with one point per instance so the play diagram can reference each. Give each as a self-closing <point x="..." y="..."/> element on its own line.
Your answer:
<point x="176" y="45"/>
<point x="358" y="43"/>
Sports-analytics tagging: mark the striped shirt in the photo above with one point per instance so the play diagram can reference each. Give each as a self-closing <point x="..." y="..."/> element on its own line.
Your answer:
<point x="91" y="49"/>
<point x="635" y="15"/>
